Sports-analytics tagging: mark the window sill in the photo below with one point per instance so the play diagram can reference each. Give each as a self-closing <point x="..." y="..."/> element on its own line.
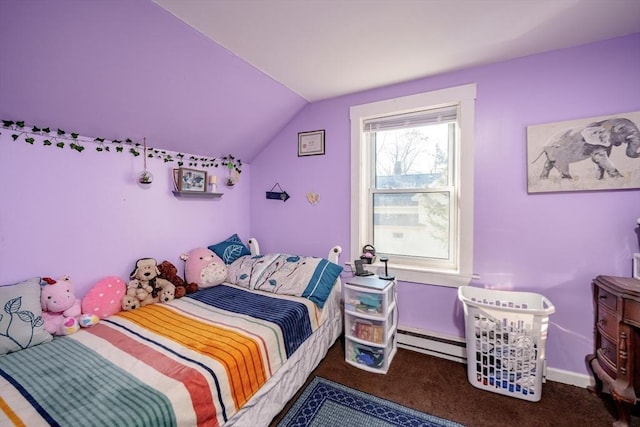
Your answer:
<point x="406" y="273"/>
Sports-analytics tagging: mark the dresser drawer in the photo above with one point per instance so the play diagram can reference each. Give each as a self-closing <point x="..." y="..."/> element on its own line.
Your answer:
<point x="607" y="298"/>
<point x="608" y="356"/>
<point x="632" y="312"/>
<point x="607" y="324"/>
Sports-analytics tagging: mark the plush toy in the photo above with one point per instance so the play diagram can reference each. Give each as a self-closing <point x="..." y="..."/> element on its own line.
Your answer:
<point x="145" y="291"/>
<point x="130" y="303"/>
<point x="204" y="267"/>
<point x="61" y="310"/>
<point x="104" y="298"/>
<point x="167" y="293"/>
<point x="169" y="272"/>
<point x="145" y="285"/>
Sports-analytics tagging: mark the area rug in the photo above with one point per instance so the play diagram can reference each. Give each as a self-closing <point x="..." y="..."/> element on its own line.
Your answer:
<point x="325" y="403"/>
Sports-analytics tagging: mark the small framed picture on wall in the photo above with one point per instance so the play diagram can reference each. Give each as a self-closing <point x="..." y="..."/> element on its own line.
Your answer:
<point x="311" y="143"/>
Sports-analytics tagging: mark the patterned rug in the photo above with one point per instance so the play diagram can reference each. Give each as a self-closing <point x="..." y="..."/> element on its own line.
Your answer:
<point x="325" y="403"/>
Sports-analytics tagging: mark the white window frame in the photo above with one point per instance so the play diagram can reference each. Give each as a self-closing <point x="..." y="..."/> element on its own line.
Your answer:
<point x="361" y="171"/>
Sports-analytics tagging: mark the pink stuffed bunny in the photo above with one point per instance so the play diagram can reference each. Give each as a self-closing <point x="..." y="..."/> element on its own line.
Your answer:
<point x="61" y="309"/>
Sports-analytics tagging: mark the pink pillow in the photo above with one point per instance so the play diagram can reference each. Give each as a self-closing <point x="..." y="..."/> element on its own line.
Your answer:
<point x="105" y="298"/>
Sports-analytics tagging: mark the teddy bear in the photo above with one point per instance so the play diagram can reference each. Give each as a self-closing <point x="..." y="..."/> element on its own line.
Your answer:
<point x="143" y="290"/>
<point x="204" y="267"/>
<point x="130" y="303"/>
<point x="145" y="285"/>
<point x="167" y="293"/>
<point x="61" y="310"/>
<point x="170" y="272"/>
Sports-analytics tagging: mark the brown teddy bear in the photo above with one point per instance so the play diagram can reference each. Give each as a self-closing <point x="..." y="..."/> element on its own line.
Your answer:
<point x="169" y="272"/>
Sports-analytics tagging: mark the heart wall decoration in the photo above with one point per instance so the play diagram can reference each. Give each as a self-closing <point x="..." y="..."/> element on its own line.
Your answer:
<point x="313" y="198"/>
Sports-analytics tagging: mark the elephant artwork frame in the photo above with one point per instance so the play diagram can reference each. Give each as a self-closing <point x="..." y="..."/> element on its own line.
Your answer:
<point x="596" y="153"/>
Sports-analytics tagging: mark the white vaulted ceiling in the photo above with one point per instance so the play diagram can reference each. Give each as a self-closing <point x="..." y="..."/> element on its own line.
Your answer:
<point x="325" y="48"/>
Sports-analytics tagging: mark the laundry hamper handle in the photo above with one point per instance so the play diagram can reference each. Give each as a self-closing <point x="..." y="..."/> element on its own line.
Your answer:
<point x="549" y="309"/>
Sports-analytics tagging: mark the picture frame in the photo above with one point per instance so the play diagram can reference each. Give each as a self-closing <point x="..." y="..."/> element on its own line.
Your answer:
<point x="192" y="180"/>
<point x="596" y="153"/>
<point x="311" y="143"/>
<point x="174" y="175"/>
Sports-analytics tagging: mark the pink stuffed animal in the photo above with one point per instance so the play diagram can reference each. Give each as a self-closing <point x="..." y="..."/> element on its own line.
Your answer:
<point x="204" y="267"/>
<point x="61" y="309"/>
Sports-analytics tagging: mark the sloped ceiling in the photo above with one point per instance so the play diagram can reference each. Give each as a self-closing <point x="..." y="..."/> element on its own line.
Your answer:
<point x="129" y="69"/>
<point x="322" y="49"/>
<point x="228" y="75"/>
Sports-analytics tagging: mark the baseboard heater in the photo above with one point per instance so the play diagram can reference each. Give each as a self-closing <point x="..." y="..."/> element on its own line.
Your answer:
<point x="454" y="348"/>
<point x="432" y="343"/>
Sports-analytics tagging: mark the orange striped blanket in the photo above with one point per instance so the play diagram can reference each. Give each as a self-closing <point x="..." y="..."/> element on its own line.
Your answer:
<point x="193" y="361"/>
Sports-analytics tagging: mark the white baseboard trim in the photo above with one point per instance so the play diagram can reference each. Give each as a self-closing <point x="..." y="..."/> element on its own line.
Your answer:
<point x="454" y="348"/>
<point x="571" y="378"/>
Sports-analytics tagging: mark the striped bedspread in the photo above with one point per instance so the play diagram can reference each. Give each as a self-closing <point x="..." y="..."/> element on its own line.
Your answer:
<point x="194" y="361"/>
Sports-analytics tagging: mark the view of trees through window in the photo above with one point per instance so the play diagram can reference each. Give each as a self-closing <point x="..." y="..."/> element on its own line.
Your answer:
<point x="412" y="192"/>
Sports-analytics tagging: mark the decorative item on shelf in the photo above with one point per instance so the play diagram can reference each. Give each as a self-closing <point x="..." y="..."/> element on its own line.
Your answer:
<point x="174" y="175"/>
<point x="313" y="198"/>
<point x="278" y="195"/>
<point x="145" y="178"/>
<point x="192" y="180"/>
<point x="638" y="233"/>
<point x="368" y="254"/>
<point x="386" y="271"/>
<point x="234" y="170"/>
<point x="213" y="183"/>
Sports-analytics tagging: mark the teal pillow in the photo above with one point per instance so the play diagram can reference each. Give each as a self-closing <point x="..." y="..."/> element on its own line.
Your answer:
<point x="321" y="284"/>
<point x="230" y="249"/>
<point x="21" y="323"/>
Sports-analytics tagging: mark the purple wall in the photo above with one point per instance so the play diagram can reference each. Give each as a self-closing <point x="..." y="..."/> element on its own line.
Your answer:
<point x="118" y="69"/>
<point x="552" y="243"/>
<point x="83" y="214"/>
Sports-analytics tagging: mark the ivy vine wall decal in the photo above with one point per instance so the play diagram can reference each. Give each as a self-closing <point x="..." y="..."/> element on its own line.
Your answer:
<point x="72" y="140"/>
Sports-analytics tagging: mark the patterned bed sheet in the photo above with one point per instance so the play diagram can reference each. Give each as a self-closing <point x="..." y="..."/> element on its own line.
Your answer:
<point x="193" y="361"/>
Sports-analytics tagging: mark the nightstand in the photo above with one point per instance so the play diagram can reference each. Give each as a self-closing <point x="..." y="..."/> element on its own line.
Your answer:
<point x="371" y="322"/>
<point x="616" y="357"/>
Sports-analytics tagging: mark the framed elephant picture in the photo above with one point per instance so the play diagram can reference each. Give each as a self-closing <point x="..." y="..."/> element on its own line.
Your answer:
<point x="597" y="153"/>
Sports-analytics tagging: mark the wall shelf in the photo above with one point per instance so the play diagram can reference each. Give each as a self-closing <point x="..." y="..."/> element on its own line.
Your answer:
<point x="197" y="194"/>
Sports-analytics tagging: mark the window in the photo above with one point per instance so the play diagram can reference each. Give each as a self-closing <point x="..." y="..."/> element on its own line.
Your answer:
<point x="412" y="184"/>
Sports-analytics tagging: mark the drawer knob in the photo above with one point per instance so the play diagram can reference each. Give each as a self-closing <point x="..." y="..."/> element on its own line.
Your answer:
<point x="602" y="297"/>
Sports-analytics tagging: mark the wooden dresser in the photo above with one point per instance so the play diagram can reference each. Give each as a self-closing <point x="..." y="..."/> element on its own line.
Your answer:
<point x="616" y="361"/>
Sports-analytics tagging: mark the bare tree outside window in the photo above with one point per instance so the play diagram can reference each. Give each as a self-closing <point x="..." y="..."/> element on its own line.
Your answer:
<point x="415" y="220"/>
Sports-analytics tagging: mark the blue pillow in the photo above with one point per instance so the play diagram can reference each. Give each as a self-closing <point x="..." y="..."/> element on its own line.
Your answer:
<point x="322" y="282"/>
<point x="230" y="249"/>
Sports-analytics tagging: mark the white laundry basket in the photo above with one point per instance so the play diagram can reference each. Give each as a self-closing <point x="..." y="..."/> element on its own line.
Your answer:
<point x="506" y="334"/>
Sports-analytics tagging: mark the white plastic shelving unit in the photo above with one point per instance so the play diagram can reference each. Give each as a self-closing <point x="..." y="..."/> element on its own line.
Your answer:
<point x="371" y="322"/>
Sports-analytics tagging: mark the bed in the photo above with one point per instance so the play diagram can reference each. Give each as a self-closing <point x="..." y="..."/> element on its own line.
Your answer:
<point x="227" y="355"/>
